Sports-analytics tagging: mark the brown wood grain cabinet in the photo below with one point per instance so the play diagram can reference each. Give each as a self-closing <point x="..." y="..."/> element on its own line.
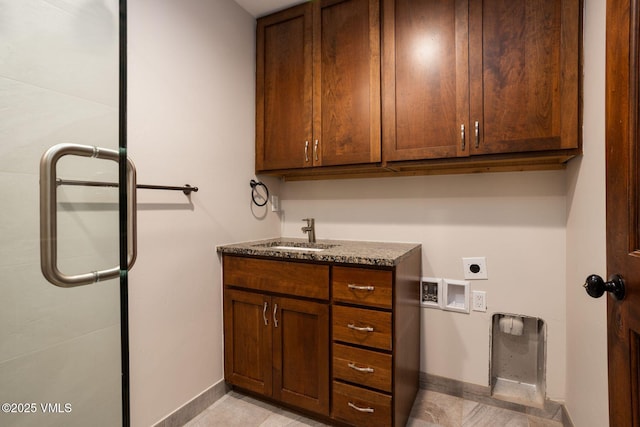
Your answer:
<point x="339" y="341"/>
<point x="275" y="346"/>
<point x="376" y="343"/>
<point x="318" y="86"/>
<point x="349" y="88"/>
<point x="465" y="78"/>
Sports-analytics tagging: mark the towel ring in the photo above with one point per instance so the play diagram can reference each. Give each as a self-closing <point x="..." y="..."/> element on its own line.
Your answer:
<point x="254" y="191"/>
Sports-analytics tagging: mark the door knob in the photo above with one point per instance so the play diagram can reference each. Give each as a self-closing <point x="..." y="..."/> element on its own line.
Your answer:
<point x="596" y="286"/>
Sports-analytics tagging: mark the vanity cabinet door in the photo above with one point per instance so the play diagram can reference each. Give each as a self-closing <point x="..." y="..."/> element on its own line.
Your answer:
<point x="248" y="341"/>
<point x="277" y="346"/>
<point x="301" y="354"/>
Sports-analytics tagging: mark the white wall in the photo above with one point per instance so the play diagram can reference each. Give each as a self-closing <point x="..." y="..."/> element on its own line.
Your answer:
<point x="191" y="115"/>
<point x="516" y="220"/>
<point x="587" y="398"/>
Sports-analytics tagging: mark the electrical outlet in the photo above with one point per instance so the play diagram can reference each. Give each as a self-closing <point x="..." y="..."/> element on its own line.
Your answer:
<point x="275" y="203"/>
<point x="479" y="301"/>
<point x="475" y="268"/>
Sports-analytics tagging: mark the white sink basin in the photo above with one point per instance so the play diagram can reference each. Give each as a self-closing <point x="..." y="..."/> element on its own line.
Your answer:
<point x="296" y="248"/>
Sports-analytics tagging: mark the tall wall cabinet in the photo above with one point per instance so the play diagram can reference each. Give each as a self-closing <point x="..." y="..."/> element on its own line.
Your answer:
<point x="407" y="85"/>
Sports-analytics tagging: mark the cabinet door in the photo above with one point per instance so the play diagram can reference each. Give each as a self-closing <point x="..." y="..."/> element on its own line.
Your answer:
<point x="346" y="82"/>
<point x="284" y="89"/>
<point x="524" y="74"/>
<point x="248" y="341"/>
<point x="425" y="69"/>
<point x="301" y="354"/>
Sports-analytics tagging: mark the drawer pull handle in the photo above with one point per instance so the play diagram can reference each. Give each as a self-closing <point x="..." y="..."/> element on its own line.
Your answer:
<point x="369" y="410"/>
<point x="359" y="369"/>
<point x="361" y="288"/>
<point x="360" y="328"/>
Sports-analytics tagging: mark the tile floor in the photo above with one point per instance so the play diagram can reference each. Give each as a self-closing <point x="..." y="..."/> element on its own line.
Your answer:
<point x="431" y="409"/>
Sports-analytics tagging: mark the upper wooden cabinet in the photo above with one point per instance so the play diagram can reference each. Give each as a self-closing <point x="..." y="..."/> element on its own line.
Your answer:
<point x="473" y="77"/>
<point x="461" y="86"/>
<point x="318" y="86"/>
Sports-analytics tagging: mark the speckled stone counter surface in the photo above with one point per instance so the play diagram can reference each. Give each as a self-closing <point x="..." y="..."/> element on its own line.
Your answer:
<point x="334" y="251"/>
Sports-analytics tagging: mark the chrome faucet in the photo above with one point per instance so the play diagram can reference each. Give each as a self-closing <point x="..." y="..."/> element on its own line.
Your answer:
<point x="311" y="229"/>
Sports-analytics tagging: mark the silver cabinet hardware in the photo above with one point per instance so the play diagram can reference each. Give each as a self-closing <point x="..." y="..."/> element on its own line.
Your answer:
<point x="49" y="215"/>
<point x="360" y="328"/>
<point x="360" y="288"/>
<point x="315" y="150"/>
<point x="359" y="369"/>
<point x="357" y="408"/>
<point x="264" y="314"/>
<point x="462" y="138"/>
<point x="477" y="128"/>
<point x="275" y="319"/>
<point x="306" y="151"/>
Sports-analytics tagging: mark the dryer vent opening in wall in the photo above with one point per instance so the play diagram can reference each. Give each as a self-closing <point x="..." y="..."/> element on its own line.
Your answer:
<point x="518" y="359"/>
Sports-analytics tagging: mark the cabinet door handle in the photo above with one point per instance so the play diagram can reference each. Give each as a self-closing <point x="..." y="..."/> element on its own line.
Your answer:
<point x="357" y="408"/>
<point x="315" y="150"/>
<point x="477" y="126"/>
<point x="360" y="328"/>
<point x="306" y="151"/>
<point x="462" y="138"/>
<point x="359" y="369"/>
<point x="275" y="319"/>
<point x="264" y="314"/>
<point x="360" y="287"/>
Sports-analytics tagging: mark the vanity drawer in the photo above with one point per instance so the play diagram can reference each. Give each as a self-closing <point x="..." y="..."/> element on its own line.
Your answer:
<point x="361" y="407"/>
<point x="290" y="278"/>
<point x="363" y="286"/>
<point x="361" y="326"/>
<point x="364" y="367"/>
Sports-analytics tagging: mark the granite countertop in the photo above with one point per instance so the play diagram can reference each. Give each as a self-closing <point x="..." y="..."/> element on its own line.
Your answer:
<point x="335" y="251"/>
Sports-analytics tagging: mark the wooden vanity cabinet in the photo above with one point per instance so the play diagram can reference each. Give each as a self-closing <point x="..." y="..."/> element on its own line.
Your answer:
<point x="277" y="346"/>
<point x="338" y="340"/>
<point x="318" y="86"/>
<point x="466" y="78"/>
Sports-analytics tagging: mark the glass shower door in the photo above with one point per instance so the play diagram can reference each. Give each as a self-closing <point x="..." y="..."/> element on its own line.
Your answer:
<point x="60" y="346"/>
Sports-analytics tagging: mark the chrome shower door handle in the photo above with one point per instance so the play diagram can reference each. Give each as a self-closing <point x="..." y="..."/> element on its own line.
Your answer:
<point x="49" y="216"/>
